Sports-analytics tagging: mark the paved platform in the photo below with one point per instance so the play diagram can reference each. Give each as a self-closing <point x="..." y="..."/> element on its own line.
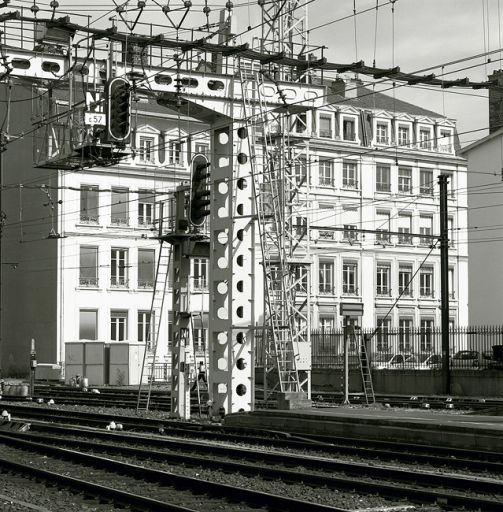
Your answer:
<point x="454" y="429"/>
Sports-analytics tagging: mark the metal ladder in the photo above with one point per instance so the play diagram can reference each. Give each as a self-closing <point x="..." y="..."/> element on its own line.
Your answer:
<point x="156" y="310"/>
<point x="368" y="387"/>
<point x="268" y="190"/>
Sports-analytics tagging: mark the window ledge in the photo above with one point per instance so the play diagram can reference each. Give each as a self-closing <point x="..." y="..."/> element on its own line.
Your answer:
<point x="120" y="289"/>
<point x="81" y="224"/>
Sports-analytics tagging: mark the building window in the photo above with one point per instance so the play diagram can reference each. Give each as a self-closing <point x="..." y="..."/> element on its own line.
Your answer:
<point x="445" y="141"/>
<point x="349" y="129"/>
<point x="146" y="150"/>
<point x="200" y="273"/>
<point x="452" y="292"/>
<point x="327" y="323"/>
<point x="426" y="338"/>
<point x="426" y="229"/>
<point x="300" y="277"/>
<point x="382" y="227"/>
<point x="326" y="277"/>
<point x="425" y="138"/>
<point x="120" y="204"/>
<point x="350" y="233"/>
<point x="89" y="204"/>
<point x="426" y="282"/>
<point x="405" y="180"/>
<point x="326" y="173"/>
<point x="383" y="328"/>
<point x="450" y="231"/>
<point x="349" y="278"/>
<point x="382" y="136"/>
<point x="118" y="326"/>
<point x="383" y="279"/>
<point x="300" y="123"/>
<point x="404" y="229"/>
<point x="403" y="135"/>
<point x="404" y="334"/>
<point x="202" y="148"/>
<point x="349" y="175"/>
<point x="88" y="267"/>
<point x="175" y="152"/>
<point x="146" y="268"/>
<point x="405" y="280"/>
<point x="88" y="324"/>
<point x="383" y="178"/>
<point x="146" y="202"/>
<point x="300" y="169"/>
<point x="325" y="126"/>
<point x="200" y="339"/>
<point x="145" y="334"/>
<point x="118" y="270"/>
<point x="426" y="182"/>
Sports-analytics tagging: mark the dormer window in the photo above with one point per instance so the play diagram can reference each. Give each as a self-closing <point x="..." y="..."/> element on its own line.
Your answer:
<point x="146" y="149"/>
<point x="445" y="141"/>
<point x="382" y="135"/>
<point x="325" y="128"/>
<point x="403" y="135"/>
<point x="349" y="128"/>
<point x="425" y="138"/>
<point x="175" y="152"/>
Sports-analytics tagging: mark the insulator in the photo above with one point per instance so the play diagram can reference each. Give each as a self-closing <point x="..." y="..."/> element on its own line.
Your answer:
<point x="261" y="2"/>
<point x="206" y="10"/>
<point x="229" y="6"/>
<point x="34" y="8"/>
<point x="141" y="4"/>
<point x="166" y="9"/>
<point x="187" y="4"/>
<point x="54" y="4"/>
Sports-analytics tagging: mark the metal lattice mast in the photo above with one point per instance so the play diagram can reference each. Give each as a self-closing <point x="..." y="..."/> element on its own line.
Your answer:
<point x="285" y="229"/>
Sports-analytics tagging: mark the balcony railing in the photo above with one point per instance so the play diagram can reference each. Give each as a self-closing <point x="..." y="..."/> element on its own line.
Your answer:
<point x="145" y="283"/>
<point x="327" y="134"/>
<point x="326" y="235"/>
<point x="119" y="282"/>
<point x="405" y="293"/>
<point x="326" y="290"/>
<point x="88" y="282"/>
<point x="383" y="292"/>
<point x="349" y="290"/>
<point x="405" y="239"/>
<point x="119" y="221"/>
<point x="89" y="219"/>
<point x="426" y="293"/>
<point x="200" y="284"/>
<point x="382" y="140"/>
<point x="350" y="184"/>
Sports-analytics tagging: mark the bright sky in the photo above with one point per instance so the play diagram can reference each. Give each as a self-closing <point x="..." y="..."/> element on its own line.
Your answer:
<point x="422" y="34"/>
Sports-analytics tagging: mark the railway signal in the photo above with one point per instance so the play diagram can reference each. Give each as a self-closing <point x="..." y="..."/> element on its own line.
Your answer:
<point x="199" y="190"/>
<point x="118" y="110"/>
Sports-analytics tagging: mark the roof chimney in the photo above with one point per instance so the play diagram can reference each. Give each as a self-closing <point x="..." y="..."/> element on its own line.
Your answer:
<point x="496" y="101"/>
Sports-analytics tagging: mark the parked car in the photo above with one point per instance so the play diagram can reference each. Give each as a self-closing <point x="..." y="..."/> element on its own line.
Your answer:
<point x="393" y="361"/>
<point x="467" y="360"/>
<point x="493" y="359"/>
<point x="429" y="362"/>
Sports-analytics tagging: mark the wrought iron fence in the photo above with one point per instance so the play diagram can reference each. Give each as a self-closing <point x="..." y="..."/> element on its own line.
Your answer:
<point x="479" y="347"/>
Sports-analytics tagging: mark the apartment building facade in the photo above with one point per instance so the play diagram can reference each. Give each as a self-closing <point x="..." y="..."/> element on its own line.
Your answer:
<point x="85" y="251"/>
<point x="373" y="168"/>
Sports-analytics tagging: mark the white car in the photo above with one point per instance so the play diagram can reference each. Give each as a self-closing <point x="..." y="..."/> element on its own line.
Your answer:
<point x="429" y="362"/>
<point x="393" y="361"/>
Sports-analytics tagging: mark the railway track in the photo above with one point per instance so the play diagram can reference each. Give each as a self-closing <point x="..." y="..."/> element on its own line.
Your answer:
<point x="160" y="400"/>
<point x="415" y="486"/>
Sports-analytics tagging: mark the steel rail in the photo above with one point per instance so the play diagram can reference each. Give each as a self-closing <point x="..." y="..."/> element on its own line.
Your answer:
<point x="329" y="444"/>
<point x="272" y="471"/>
<point x="447" y="460"/>
<point x="96" y="490"/>
<point x="222" y="491"/>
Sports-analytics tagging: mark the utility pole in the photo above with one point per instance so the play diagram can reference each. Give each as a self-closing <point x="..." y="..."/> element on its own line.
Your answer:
<point x="3" y="217"/>
<point x="444" y="283"/>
